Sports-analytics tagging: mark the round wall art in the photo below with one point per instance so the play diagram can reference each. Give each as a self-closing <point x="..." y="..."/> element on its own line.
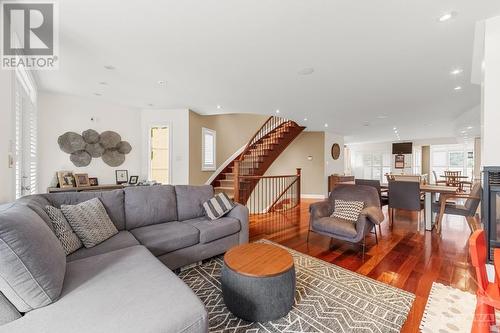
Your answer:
<point x="335" y="151"/>
<point x="90" y="144"/>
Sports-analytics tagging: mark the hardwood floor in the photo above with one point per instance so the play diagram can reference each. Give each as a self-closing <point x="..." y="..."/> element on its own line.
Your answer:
<point x="404" y="257"/>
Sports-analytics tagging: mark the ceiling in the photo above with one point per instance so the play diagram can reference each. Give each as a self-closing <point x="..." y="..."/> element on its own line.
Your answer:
<point x="377" y="64"/>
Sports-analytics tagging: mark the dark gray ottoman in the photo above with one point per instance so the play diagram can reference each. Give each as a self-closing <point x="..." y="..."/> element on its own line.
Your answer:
<point x="258" y="282"/>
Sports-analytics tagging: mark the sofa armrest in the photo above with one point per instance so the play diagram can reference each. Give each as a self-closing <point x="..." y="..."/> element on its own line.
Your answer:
<point x="374" y="214"/>
<point x="321" y="209"/>
<point x="240" y="213"/>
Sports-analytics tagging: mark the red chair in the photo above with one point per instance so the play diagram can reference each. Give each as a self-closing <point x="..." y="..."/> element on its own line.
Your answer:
<point x="488" y="296"/>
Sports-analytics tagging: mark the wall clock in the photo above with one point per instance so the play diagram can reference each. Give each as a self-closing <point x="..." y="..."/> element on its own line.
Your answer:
<point x="335" y="151"/>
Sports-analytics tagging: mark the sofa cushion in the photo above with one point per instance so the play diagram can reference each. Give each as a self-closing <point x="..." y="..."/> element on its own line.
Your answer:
<point x="112" y="201"/>
<point x="124" y="291"/>
<point x="38" y="203"/>
<point x="119" y="241"/>
<point x="190" y="200"/>
<point x="147" y="205"/>
<point x="63" y="231"/>
<point x="213" y="230"/>
<point x="166" y="237"/>
<point x="90" y="221"/>
<point x="32" y="260"/>
<point x="333" y="225"/>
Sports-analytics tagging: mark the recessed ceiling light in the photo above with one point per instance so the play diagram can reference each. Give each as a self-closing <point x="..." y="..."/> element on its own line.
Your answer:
<point x="456" y="71"/>
<point x="305" y="119"/>
<point x="306" y="71"/>
<point x="395" y="128"/>
<point x="458" y="88"/>
<point x="162" y="82"/>
<point x="98" y="94"/>
<point x="326" y="125"/>
<point x="470" y="127"/>
<point x="382" y="116"/>
<point x="366" y="124"/>
<point x="447" y="16"/>
<point x="150" y="104"/>
<point x="278" y="111"/>
<point x="102" y="83"/>
<point x="219" y="107"/>
<point x="110" y="67"/>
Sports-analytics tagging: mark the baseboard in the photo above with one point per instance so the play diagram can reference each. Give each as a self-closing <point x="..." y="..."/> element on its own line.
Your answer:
<point x="313" y="196"/>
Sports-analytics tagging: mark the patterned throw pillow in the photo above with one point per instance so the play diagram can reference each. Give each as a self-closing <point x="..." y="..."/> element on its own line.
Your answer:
<point x="69" y="240"/>
<point x="90" y="221"/>
<point x="218" y="206"/>
<point x="348" y="210"/>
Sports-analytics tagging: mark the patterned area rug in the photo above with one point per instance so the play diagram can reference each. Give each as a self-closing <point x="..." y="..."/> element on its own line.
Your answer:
<point x="328" y="298"/>
<point x="448" y="310"/>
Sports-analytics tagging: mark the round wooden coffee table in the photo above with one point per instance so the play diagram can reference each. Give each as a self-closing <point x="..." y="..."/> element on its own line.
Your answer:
<point x="258" y="281"/>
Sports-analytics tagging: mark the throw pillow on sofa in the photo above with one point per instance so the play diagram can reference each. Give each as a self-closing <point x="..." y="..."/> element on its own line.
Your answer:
<point x="69" y="240"/>
<point x="218" y="206"/>
<point x="348" y="210"/>
<point x="90" y="221"/>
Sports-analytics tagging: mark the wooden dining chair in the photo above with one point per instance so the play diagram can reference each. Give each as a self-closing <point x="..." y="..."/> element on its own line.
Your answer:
<point x="487" y="294"/>
<point x="467" y="210"/>
<point x="437" y="180"/>
<point x="452" y="178"/>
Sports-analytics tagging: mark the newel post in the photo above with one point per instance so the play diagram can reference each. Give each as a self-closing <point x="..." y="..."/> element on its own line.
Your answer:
<point x="236" y="172"/>
<point x="299" y="172"/>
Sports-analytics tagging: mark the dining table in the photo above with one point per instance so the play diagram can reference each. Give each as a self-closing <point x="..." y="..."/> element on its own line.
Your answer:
<point x="430" y="191"/>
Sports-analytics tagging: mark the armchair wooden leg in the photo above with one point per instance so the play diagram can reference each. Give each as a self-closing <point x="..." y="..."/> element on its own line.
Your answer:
<point x="376" y="237"/>
<point x="308" y="232"/>
<point x="364" y="244"/>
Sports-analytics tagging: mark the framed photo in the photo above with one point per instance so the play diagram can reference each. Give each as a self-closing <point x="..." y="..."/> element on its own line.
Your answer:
<point x="399" y="161"/>
<point x="121" y="176"/>
<point x="82" y="179"/>
<point x="66" y="179"/>
<point x="93" y="181"/>
<point x="133" y="180"/>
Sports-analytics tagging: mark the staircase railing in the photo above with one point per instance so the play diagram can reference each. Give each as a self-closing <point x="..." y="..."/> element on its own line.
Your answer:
<point x="271" y="193"/>
<point x="255" y="150"/>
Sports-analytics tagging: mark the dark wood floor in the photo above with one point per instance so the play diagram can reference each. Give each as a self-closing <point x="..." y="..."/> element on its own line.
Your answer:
<point x="404" y="257"/>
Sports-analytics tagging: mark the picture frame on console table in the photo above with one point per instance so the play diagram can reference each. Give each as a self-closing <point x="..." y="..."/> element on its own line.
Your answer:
<point x="121" y="177"/>
<point x="82" y="179"/>
<point x="93" y="181"/>
<point x="66" y="179"/>
<point x="133" y="180"/>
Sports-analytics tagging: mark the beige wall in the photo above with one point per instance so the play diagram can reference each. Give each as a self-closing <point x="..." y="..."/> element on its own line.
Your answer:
<point x="295" y="156"/>
<point x="426" y="163"/>
<point x="232" y="132"/>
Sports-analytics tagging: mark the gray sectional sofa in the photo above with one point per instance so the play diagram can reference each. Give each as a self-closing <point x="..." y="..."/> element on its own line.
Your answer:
<point x="124" y="284"/>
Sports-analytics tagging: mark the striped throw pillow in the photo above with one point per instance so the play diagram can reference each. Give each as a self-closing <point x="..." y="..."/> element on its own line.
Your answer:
<point x="218" y="206"/>
<point x="348" y="210"/>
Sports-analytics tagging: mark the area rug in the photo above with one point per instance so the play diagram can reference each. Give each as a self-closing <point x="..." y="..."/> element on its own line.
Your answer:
<point x="328" y="298"/>
<point x="448" y="310"/>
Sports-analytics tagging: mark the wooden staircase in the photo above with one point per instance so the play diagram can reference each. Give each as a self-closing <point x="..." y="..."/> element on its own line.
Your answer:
<point x="260" y="152"/>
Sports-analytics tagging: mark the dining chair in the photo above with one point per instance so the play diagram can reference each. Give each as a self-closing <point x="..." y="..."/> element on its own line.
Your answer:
<point x="452" y="178"/>
<point x="405" y="195"/>
<point x="487" y="294"/>
<point x="437" y="180"/>
<point x="467" y="210"/>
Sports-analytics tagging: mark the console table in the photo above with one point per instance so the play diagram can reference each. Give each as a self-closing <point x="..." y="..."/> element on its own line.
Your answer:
<point x="85" y="188"/>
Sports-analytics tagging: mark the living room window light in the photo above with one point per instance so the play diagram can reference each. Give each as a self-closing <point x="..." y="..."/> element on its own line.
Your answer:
<point x="25" y="142"/>
<point x="208" y="147"/>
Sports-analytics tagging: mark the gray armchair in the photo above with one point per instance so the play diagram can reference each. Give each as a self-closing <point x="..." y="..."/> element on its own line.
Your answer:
<point x="321" y="222"/>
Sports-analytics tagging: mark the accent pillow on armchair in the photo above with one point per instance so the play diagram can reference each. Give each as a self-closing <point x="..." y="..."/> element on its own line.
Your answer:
<point x="348" y="210"/>
<point x="90" y="221"/>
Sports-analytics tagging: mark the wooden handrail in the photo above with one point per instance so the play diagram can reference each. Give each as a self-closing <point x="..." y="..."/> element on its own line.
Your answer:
<point x="297" y="179"/>
<point x="260" y="177"/>
<point x="250" y="142"/>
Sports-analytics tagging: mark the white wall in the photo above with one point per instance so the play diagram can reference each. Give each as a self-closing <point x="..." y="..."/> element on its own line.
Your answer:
<point x="333" y="166"/>
<point x="178" y="122"/>
<point x="7" y="174"/>
<point x="491" y="97"/>
<point x="62" y="113"/>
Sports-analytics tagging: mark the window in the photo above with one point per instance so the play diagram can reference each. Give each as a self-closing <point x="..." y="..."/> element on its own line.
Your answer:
<point x="453" y="158"/>
<point x="159" y="166"/>
<point x="371" y="165"/>
<point x="25" y="147"/>
<point x="208" y="149"/>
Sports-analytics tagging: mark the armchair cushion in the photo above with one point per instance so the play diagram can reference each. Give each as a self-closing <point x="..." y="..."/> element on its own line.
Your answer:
<point x="336" y="226"/>
<point x="347" y="210"/>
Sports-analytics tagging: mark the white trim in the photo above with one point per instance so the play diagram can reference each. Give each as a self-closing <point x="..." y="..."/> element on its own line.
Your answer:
<point x="224" y="165"/>
<point x="208" y="167"/>
<point x="313" y="196"/>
